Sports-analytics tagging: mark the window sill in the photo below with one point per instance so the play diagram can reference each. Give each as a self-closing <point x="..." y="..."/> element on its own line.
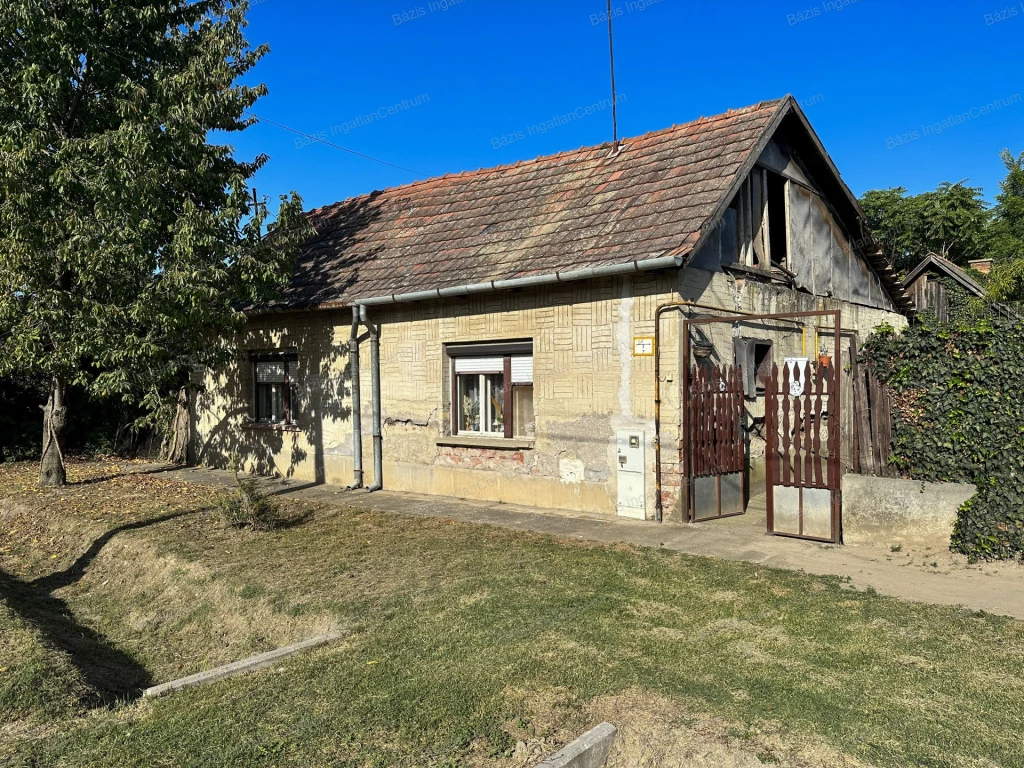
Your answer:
<point x="272" y="427"/>
<point x="500" y="443"/>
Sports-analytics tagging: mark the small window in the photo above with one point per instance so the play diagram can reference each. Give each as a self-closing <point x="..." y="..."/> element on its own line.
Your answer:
<point x="482" y="403"/>
<point x="493" y="392"/>
<point x="274" y="392"/>
<point x="762" y="364"/>
<point x="754" y="356"/>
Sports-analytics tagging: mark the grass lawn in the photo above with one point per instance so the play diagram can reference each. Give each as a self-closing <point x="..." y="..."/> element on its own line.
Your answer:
<point x="470" y="645"/>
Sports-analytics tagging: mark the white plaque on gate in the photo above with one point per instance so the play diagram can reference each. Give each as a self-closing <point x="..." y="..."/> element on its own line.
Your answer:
<point x="796" y="380"/>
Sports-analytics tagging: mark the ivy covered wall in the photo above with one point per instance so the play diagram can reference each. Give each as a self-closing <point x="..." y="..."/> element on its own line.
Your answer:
<point x="959" y="416"/>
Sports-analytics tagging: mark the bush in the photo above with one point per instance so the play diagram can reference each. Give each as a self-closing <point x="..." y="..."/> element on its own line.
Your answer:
<point x="248" y="506"/>
<point x="959" y="417"/>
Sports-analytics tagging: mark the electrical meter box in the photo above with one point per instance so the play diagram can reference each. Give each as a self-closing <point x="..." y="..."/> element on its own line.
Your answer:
<point x="629" y="454"/>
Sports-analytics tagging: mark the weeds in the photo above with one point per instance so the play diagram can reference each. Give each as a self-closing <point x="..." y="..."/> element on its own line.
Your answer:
<point x="248" y="506"/>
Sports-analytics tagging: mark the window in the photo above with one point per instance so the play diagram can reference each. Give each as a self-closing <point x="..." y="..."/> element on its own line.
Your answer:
<point x="492" y="390"/>
<point x="762" y="364"/>
<point x="754" y="356"/>
<point x="274" y="390"/>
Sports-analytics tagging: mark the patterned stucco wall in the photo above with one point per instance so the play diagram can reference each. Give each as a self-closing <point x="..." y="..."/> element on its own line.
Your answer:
<point x="587" y="385"/>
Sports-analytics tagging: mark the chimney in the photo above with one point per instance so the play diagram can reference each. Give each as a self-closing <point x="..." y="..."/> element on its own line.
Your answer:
<point x="981" y="265"/>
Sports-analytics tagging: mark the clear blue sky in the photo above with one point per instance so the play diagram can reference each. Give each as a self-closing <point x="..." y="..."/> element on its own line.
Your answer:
<point x="871" y="73"/>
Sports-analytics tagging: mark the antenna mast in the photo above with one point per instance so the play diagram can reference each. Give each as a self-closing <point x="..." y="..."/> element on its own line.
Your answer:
<point x="611" y="57"/>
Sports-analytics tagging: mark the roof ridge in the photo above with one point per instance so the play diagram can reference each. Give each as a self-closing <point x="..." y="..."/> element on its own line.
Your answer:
<point x="730" y="113"/>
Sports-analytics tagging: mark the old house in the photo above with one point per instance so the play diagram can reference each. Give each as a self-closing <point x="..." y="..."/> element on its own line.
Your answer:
<point x="624" y="329"/>
<point x="941" y="288"/>
<point x="936" y="283"/>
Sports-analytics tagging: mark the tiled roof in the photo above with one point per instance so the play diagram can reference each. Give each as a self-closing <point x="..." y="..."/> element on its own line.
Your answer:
<point x="569" y="211"/>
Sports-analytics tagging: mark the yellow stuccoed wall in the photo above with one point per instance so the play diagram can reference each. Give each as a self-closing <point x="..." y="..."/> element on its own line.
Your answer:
<point x="587" y="385"/>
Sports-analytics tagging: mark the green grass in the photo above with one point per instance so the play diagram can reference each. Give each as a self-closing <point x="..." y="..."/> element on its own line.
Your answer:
<point x="467" y="639"/>
<point x="37" y="683"/>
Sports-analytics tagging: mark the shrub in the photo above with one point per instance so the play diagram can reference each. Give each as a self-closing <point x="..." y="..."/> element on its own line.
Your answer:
<point x="248" y="506"/>
<point x="959" y="416"/>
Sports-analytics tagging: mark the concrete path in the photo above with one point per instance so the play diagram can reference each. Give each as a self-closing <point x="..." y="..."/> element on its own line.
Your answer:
<point x="922" y="575"/>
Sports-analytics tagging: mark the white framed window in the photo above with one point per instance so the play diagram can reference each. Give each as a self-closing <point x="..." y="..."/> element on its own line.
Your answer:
<point x="492" y="390"/>
<point x="482" y="403"/>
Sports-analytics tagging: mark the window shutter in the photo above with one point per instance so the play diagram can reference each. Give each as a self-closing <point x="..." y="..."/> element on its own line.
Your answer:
<point x="479" y="364"/>
<point x="522" y="369"/>
<point x="270" y="373"/>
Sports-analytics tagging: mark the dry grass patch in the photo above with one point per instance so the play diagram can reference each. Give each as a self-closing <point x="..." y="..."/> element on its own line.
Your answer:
<point x="478" y="646"/>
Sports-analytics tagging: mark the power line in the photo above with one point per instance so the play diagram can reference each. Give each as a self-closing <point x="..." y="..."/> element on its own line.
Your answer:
<point x="336" y="146"/>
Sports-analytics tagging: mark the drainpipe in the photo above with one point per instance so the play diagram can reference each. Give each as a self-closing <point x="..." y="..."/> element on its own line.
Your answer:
<point x="357" y="414"/>
<point x="378" y="453"/>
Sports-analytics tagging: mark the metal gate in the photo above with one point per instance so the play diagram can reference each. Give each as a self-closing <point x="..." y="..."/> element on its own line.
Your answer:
<point x="802" y="427"/>
<point x="717" y="443"/>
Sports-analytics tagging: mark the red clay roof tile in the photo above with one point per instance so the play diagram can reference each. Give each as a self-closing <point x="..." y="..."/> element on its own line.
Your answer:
<point x="571" y="210"/>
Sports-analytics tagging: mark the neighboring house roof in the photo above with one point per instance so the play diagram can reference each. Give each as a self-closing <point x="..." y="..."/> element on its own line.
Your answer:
<point x="937" y="264"/>
<point x="566" y="213"/>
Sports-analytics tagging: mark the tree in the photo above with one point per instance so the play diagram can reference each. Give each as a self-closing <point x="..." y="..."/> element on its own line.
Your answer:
<point x="128" y="240"/>
<point x="893" y="224"/>
<point x="1008" y="232"/>
<point x="951" y="221"/>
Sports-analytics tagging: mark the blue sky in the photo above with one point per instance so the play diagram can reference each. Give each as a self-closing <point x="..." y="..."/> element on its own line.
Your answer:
<point x="470" y="84"/>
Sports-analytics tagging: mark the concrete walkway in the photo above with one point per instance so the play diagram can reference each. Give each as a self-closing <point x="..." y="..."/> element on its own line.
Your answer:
<point x="922" y="575"/>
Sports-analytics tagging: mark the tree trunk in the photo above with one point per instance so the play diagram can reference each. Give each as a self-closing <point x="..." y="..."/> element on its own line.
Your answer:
<point x="175" y="447"/>
<point x="55" y="418"/>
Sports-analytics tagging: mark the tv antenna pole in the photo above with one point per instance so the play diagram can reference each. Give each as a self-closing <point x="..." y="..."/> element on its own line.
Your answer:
<point x="611" y="58"/>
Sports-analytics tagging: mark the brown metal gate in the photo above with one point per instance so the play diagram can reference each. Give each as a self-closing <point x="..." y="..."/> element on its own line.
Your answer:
<point x="802" y="426"/>
<point x="717" y="443"/>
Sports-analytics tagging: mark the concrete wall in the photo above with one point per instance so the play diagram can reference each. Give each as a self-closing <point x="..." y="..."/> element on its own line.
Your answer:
<point x="587" y="385"/>
<point x="884" y="511"/>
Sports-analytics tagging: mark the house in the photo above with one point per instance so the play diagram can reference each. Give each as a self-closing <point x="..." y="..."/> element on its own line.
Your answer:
<point x="539" y="333"/>
<point x="939" y="286"/>
<point x="937" y="282"/>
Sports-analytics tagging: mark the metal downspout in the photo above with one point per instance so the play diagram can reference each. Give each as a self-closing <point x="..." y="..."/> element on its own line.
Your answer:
<point x="357" y="413"/>
<point x="378" y="453"/>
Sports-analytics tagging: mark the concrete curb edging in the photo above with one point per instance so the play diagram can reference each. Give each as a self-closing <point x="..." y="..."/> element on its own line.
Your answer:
<point x="241" y="667"/>
<point x="588" y="751"/>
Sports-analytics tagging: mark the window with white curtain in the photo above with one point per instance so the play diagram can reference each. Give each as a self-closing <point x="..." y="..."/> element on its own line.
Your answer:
<point x="492" y="390"/>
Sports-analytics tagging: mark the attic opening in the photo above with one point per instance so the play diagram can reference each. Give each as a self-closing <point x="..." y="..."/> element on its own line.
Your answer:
<point x="755" y="227"/>
<point x="778" y="221"/>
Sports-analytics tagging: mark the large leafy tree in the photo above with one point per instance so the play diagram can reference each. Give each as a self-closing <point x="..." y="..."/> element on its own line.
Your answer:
<point x="128" y="238"/>
<point x="951" y="221"/>
<point x="1008" y="232"/>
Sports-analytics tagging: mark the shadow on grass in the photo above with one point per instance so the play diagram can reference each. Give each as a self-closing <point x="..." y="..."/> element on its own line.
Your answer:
<point x="111" y="674"/>
<point x="295" y="520"/>
<point x="76" y="570"/>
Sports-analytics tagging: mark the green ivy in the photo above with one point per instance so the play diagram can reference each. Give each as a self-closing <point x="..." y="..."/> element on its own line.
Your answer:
<point x="959" y="417"/>
<point x="958" y="301"/>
